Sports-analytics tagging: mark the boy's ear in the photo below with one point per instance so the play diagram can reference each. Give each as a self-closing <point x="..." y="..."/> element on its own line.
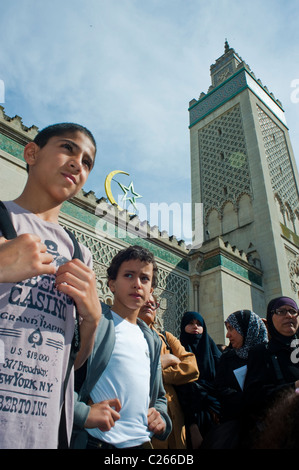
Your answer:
<point x="30" y="153"/>
<point x="111" y="285"/>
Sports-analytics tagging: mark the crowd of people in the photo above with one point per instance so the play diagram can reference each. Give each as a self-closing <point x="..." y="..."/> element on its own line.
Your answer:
<point x="134" y="386"/>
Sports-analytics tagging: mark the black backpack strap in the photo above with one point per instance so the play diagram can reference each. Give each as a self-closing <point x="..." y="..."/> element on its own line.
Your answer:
<point x="76" y="338"/>
<point x="75" y="346"/>
<point x="6" y="225"/>
<point x="78" y="255"/>
<point x="77" y="249"/>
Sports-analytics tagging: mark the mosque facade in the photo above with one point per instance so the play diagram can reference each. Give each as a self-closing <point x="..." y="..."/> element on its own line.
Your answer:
<point x="243" y="175"/>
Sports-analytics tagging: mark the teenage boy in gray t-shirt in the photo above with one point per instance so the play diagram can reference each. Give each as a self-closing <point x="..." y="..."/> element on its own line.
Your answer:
<point x="39" y="285"/>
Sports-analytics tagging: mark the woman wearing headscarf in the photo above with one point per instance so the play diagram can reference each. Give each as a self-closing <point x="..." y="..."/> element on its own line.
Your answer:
<point x="198" y="398"/>
<point x="245" y="330"/>
<point x="273" y="368"/>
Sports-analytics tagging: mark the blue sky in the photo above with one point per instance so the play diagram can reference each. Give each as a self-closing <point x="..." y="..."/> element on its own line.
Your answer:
<point x="127" y="69"/>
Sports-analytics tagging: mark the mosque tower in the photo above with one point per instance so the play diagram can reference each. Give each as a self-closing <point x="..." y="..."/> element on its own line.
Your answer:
<point x="244" y="173"/>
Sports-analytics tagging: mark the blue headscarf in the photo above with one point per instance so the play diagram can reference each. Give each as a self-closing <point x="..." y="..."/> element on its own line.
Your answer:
<point x="249" y="325"/>
<point x="206" y="352"/>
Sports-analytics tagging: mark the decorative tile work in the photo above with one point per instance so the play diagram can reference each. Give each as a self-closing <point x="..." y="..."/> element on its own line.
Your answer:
<point x="11" y="146"/>
<point x="224" y="169"/>
<point x="225" y="72"/>
<point x="220" y="95"/>
<point x="280" y="169"/>
<point x="220" y="260"/>
<point x="173" y="294"/>
<point x="293" y="266"/>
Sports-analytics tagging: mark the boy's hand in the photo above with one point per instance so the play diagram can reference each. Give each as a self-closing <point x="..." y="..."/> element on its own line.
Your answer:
<point x="103" y="415"/>
<point x="155" y="422"/>
<point x="78" y="281"/>
<point x="24" y="257"/>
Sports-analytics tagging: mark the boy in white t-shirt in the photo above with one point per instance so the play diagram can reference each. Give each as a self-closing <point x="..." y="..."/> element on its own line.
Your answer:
<point x="121" y="400"/>
<point x="39" y="284"/>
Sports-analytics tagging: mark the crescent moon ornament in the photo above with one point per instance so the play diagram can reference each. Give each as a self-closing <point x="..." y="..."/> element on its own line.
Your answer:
<point x="108" y="186"/>
<point x="129" y="192"/>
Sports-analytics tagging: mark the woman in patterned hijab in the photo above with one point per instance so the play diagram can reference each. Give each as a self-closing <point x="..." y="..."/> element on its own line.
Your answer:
<point x="245" y="330"/>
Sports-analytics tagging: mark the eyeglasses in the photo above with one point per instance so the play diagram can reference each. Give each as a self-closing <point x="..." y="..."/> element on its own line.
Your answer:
<point x="154" y="305"/>
<point x="283" y="311"/>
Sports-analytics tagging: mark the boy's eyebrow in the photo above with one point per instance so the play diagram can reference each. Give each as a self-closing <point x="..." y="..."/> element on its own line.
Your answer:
<point x="130" y="271"/>
<point x="70" y="141"/>
<point x="133" y="271"/>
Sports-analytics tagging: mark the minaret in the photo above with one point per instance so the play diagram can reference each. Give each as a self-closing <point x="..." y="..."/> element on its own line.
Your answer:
<point x="244" y="173"/>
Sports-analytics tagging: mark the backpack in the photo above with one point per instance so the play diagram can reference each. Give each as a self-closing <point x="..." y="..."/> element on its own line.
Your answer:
<point x="9" y="233"/>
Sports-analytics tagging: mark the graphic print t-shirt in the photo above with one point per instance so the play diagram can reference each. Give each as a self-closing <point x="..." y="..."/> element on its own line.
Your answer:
<point x="36" y="330"/>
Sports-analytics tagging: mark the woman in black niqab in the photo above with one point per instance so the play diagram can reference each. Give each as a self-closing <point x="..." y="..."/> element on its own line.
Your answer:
<point x="198" y="399"/>
<point x="202" y="345"/>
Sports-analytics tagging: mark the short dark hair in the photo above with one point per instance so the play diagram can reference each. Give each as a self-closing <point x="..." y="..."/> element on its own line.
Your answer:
<point x="132" y="252"/>
<point x="42" y="138"/>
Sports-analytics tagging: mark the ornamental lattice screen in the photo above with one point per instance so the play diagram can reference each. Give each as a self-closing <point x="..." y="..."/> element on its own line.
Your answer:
<point x="223" y="161"/>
